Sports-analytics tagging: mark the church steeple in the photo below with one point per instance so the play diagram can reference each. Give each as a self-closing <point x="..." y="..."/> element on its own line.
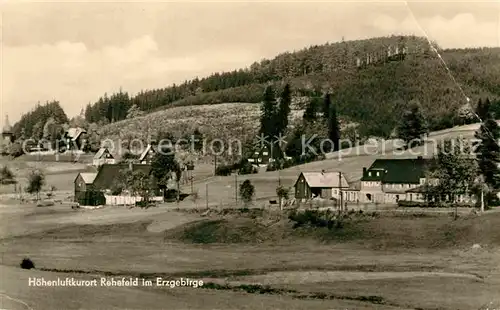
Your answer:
<point x="7" y="128"/>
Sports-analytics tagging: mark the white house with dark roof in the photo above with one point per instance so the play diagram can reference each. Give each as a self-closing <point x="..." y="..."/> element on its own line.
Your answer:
<point x="75" y="137"/>
<point x="103" y="156"/>
<point x="147" y="155"/>
<point x="320" y="184"/>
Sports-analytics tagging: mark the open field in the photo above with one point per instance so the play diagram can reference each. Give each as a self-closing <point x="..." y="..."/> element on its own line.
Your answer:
<point x="397" y="263"/>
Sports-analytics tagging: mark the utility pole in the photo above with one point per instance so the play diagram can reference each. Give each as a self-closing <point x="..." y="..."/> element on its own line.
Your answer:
<point x="340" y="194"/>
<point x="482" y="199"/>
<point x="215" y="165"/>
<point x="236" y="188"/>
<point x="206" y="194"/>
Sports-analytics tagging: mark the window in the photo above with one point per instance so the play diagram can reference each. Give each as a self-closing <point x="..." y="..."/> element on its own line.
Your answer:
<point x="264" y="153"/>
<point x="369" y="174"/>
<point x="378" y="173"/>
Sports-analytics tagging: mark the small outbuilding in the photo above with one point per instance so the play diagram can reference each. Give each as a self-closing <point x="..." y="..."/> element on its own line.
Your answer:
<point x="84" y="182"/>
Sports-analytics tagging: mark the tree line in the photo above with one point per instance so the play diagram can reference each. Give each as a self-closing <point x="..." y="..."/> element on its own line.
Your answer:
<point x="315" y="59"/>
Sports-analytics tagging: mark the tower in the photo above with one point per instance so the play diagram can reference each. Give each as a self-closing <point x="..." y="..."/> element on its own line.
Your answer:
<point x="7" y="134"/>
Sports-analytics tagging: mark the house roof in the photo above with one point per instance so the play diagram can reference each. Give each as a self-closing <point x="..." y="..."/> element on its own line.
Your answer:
<point x="146" y="152"/>
<point x="88" y="177"/>
<point x="399" y="171"/>
<point x="108" y="173"/>
<point x="324" y="179"/>
<point x="101" y="152"/>
<point x="74" y="133"/>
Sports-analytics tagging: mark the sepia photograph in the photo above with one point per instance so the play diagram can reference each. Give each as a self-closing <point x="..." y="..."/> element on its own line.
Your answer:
<point x="226" y="155"/>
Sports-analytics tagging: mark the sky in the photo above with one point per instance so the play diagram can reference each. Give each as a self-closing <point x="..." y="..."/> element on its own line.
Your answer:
<point x="74" y="52"/>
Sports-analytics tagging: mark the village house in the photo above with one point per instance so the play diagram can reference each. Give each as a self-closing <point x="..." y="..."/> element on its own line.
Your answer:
<point x="387" y="180"/>
<point x="84" y="182"/>
<point x="148" y="154"/>
<point x="75" y="137"/>
<point x="320" y="184"/>
<point x="102" y="157"/>
<point x="105" y="179"/>
<point x="266" y="154"/>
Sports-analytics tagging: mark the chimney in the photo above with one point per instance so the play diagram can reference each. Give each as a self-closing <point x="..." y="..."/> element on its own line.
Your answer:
<point x="364" y="171"/>
<point x="419" y="157"/>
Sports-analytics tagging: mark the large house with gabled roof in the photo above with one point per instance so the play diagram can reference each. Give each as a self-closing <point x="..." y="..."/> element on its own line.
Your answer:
<point x="388" y="181"/>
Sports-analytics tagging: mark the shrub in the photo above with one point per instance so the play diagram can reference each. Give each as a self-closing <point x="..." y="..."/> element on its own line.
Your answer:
<point x="247" y="191"/>
<point x="224" y="170"/>
<point x="6" y="176"/>
<point x="315" y="218"/>
<point x="16" y="150"/>
<point x="247" y="168"/>
<point x="282" y="192"/>
<point x="27" y="263"/>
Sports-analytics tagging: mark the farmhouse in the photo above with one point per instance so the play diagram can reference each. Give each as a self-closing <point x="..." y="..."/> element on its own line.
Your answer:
<point x="264" y="155"/>
<point x="148" y="154"/>
<point x="320" y="184"/>
<point x="104" y="180"/>
<point x="75" y="137"/>
<point x="84" y="182"/>
<point x="388" y="180"/>
<point x="103" y="156"/>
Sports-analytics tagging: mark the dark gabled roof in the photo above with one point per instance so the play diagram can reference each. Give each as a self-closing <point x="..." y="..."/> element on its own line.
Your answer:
<point x="399" y="171"/>
<point x="109" y="173"/>
<point x="149" y="148"/>
<point x="101" y="152"/>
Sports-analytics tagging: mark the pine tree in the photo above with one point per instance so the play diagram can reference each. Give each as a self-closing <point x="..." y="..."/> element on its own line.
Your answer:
<point x="311" y="109"/>
<point x="334" y="128"/>
<point x="413" y="125"/>
<point x="486" y="110"/>
<point x="326" y="106"/>
<point x="268" y="113"/>
<point x="134" y="111"/>
<point x="284" y="109"/>
<point x="480" y="109"/>
<point x="488" y="151"/>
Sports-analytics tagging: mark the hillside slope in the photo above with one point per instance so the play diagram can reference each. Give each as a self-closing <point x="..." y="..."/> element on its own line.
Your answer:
<point x="373" y="95"/>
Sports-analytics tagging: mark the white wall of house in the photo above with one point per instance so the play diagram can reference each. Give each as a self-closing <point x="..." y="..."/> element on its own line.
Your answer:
<point x="350" y="195"/>
<point x="419" y="197"/>
<point x="371" y="185"/>
<point x="102" y="161"/>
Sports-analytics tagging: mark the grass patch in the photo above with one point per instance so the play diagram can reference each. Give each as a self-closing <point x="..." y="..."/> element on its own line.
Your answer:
<point x="268" y="290"/>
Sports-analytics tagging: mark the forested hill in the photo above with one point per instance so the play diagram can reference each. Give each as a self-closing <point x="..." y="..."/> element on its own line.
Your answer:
<point x="371" y="82"/>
